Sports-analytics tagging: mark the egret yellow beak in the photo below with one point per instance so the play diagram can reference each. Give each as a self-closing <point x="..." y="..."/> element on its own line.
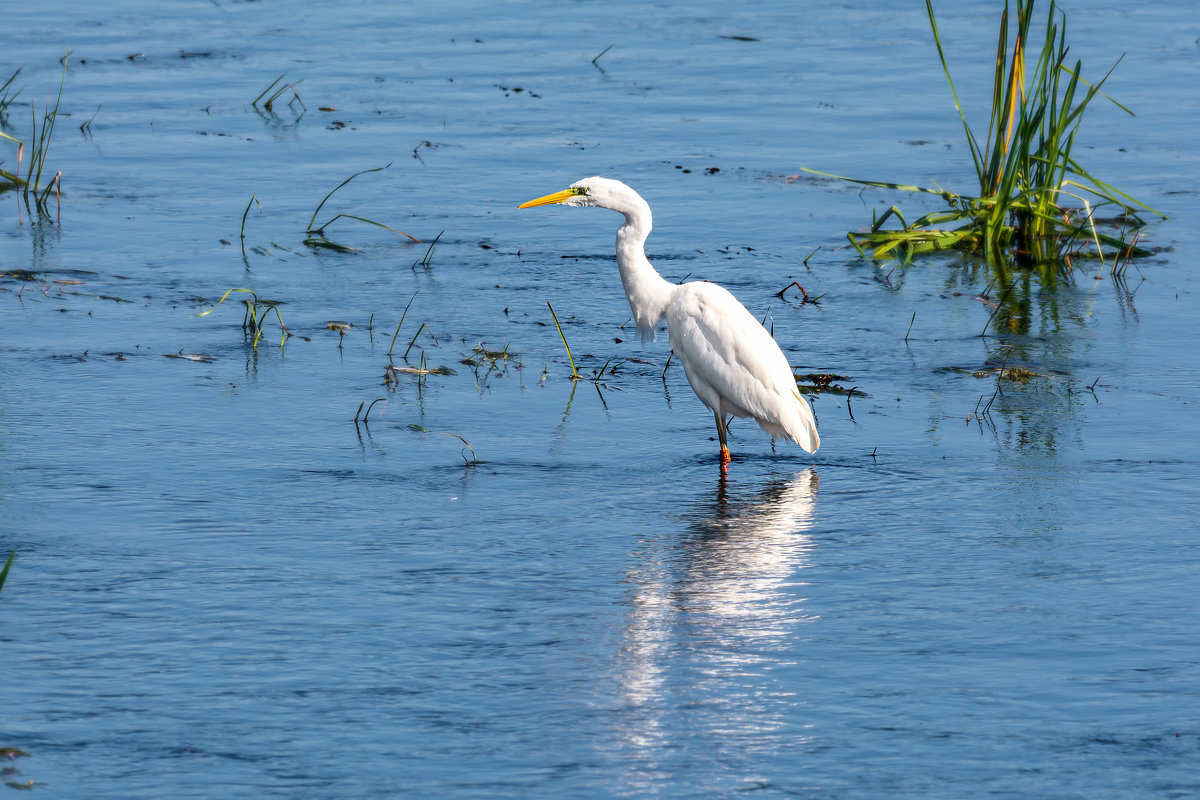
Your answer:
<point x="557" y="197"/>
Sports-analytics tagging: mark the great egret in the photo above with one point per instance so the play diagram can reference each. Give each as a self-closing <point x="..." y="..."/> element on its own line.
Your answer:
<point x="733" y="364"/>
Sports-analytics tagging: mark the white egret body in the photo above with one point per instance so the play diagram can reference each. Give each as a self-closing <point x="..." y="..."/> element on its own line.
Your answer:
<point x="732" y="363"/>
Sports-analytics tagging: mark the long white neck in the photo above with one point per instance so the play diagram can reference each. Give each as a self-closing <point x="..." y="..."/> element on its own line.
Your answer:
<point x="649" y="294"/>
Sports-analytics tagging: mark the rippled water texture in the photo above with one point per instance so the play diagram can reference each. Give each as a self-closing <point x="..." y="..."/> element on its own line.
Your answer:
<point x="225" y="587"/>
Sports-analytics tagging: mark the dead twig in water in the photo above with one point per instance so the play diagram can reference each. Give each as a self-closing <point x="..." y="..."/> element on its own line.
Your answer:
<point x="813" y="300"/>
<point x="994" y="310"/>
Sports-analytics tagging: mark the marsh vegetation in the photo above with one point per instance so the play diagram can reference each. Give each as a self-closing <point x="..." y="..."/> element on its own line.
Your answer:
<point x="1036" y="205"/>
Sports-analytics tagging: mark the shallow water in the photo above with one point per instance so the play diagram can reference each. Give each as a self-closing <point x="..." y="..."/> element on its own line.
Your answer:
<point x="223" y="585"/>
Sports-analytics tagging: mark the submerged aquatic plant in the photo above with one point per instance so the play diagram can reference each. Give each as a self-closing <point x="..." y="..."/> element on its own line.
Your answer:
<point x="1036" y="203"/>
<point x="487" y="363"/>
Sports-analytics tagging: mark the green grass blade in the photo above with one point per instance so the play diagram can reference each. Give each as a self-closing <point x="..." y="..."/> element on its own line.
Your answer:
<point x="881" y="184"/>
<point x="1103" y="189"/>
<point x="998" y="75"/>
<point x="401" y="324"/>
<point x="574" y="372"/>
<point x="4" y="572"/>
<point x="253" y="200"/>
<point x="1105" y="96"/>
<point x="269" y="88"/>
<point x="368" y="221"/>
<point x="971" y="143"/>
<point x="339" y="186"/>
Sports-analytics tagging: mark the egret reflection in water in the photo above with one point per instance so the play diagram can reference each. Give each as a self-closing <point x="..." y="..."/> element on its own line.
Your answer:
<point x="713" y="614"/>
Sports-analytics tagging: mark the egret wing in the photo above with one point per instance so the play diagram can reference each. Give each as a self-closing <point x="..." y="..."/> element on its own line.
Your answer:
<point x="727" y="353"/>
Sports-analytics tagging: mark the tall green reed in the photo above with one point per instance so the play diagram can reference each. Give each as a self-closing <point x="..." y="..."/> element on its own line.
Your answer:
<point x="1036" y="205"/>
<point x="35" y="195"/>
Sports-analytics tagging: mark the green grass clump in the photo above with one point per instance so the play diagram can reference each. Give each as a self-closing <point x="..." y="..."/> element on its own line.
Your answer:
<point x="1036" y="204"/>
<point x="275" y="90"/>
<point x="35" y="195"/>
<point x="255" y="318"/>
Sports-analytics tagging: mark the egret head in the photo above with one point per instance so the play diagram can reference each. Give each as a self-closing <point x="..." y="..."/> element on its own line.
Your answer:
<point x="596" y="191"/>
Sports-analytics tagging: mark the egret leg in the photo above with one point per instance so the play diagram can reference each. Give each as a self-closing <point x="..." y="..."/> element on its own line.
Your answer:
<point x="721" y="432"/>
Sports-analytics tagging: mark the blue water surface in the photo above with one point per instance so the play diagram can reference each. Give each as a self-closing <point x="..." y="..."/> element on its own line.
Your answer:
<point x="508" y="584"/>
